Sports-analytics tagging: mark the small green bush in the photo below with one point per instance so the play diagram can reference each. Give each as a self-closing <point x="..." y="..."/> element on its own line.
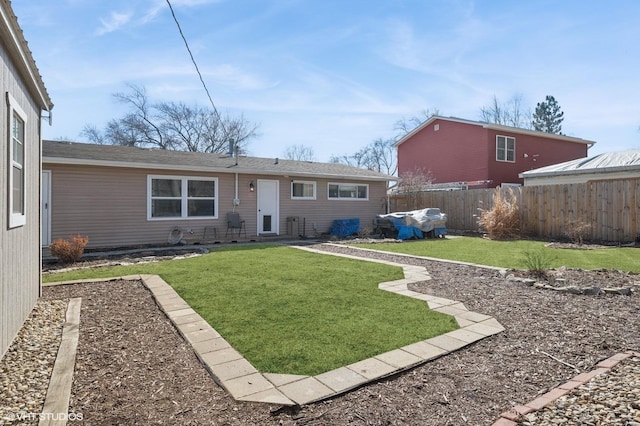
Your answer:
<point x="576" y="230"/>
<point x="538" y="261"/>
<point x="364" y="232"/>
<point x="70" y="251"/>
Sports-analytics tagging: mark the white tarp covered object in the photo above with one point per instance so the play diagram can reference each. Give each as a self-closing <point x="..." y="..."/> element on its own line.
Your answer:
<point x="426" y="219"/>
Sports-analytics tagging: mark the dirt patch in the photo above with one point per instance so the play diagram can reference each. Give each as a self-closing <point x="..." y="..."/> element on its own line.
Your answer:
<point x="585" y="246"/>
<point x="563" y="278"/>
<point x="133" y="368"/>
<point x="93" y="260"/>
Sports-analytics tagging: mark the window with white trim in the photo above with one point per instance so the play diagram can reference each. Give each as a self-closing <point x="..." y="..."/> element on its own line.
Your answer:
<point x="17" y="154"/>
<point x="303" y="190"/>
<point x="177" y="197"/>
<point x="348" y="191"/>
<point x="505" y="148"/>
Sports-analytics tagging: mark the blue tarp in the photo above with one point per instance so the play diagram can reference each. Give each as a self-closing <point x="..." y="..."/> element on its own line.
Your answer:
<point x="408" y="232"/>
<point x="416" y="223"/>
<point x="345" y="227"/>
<point x="440" y="231"/>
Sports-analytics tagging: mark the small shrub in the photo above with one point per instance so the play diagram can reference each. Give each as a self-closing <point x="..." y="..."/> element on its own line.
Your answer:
<point x="538" y="261"/>
<point x="502" y="221"/>
<point x="576" y="230"/>
<point x="70" y="251"/>
<point x="364" y="232"/>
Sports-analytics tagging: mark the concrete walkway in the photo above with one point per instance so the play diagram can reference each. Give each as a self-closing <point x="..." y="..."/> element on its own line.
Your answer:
<point x="245" y="383"/>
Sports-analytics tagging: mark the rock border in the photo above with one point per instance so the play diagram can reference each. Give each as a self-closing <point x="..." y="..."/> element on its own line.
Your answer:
<point x="516" y="414"/>
<point x="55" y="411"/>
<point x="587" y="291"/>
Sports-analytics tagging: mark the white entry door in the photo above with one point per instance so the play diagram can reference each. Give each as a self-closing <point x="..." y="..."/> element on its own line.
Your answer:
<point x="45" y="209"/>
<point x="268" y="207"/>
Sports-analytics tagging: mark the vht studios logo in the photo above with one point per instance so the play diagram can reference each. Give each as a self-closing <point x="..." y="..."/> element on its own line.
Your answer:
<point x="69" y="417"/>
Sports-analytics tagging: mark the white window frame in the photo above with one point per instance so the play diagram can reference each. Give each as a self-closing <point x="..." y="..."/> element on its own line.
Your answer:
<point x="339" y="198"/>
<point x="304" y="182"/>
<point x="17" y="219"/>
<point x="506" y="149"/>
<point x="184" y="197"/>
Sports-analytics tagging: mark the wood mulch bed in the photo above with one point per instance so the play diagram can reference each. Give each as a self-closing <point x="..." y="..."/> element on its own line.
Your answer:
<point x="133" y="368"/>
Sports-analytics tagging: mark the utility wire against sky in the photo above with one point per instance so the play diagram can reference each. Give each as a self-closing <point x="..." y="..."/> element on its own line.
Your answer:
<point x="215" y="110"/>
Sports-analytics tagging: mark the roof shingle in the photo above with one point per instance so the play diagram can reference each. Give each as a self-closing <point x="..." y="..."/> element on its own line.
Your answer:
<point x="123" y="156"/>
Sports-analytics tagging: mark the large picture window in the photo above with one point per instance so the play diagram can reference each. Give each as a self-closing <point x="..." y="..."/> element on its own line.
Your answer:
<point x="505" y="149"/>
<point x="17" y="159"/>
<point x="303" y="190"/>
<point x="175" y="197"/>
<point x="348" y="191"/>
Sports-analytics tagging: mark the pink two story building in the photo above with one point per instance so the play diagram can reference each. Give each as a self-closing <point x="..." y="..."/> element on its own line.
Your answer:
<point x="479" y="154"/>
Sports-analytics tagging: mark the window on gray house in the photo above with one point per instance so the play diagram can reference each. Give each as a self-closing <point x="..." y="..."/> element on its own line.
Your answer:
<point x="303" y="190"/>
<point x="182" y="197"/>
<point x="17" y="164"/>
<point x="348" y="191"/>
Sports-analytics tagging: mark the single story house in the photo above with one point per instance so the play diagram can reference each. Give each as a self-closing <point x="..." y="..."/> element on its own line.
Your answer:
<point x="609" y="165"/>
<point x="124" y="196"/>
<point x="24" y="99"/>
<point x="453" y="151"/>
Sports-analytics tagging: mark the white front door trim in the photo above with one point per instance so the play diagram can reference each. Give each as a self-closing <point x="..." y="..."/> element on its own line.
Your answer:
<point x="268" y="207"/>
<point x="45" y="209"/>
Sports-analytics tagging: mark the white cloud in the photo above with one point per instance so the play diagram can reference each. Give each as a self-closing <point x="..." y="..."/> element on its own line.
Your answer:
<point x="236" y="77"/>
<point x="115" y="21"/>
<point x="157" y="6"/>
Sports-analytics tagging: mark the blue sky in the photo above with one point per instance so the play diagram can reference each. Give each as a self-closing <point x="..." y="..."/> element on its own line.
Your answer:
<point x="337" y="74"/>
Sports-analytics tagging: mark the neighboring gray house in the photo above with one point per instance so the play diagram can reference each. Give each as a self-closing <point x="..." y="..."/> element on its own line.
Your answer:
<point x="610" y="165"/>
<point x="24" y="98"/>
<point x="123" y="196"/>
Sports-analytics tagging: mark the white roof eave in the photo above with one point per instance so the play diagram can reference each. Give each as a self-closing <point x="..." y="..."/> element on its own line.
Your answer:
<point x="25" y="62"/>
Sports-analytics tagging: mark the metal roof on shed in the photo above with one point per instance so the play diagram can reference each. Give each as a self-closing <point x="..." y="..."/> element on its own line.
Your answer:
<point x="607" y="162"/>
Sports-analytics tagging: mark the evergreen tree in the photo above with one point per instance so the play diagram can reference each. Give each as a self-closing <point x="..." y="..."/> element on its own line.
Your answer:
<point x="548" y="116"/>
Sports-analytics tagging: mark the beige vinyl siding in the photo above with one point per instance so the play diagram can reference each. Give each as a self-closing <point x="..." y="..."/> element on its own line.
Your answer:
<point x="19" y="246"/>
<point x="248" y="207"/>
<point x="322" y="211"/>
<point x="109" y="205"/>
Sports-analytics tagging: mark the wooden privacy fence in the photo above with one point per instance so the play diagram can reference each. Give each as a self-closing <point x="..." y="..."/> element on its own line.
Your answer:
<point x="609" y="208"/>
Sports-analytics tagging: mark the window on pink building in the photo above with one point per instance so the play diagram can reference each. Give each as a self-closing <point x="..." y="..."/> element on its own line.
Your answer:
<point x="505" y="148"/>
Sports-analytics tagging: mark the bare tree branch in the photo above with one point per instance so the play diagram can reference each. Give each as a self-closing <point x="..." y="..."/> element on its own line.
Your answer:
<point x="378" y="156"/>
<point x="299" y="153"/>
<point x="508" y="113"/>
<point x="404" y="125"/>
<point x="171" y="125"/>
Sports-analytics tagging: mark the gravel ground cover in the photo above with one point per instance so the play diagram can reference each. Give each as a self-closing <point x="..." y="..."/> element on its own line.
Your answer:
<point x="26" y="367"/>
<point x="133" y="368"/>
<point x="609" y="399"/>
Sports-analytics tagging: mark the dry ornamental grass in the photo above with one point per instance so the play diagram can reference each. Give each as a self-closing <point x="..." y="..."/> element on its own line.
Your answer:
<point x="502" y="221"/>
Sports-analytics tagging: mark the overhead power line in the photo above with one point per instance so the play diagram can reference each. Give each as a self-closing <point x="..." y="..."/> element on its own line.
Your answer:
<point x="215" y="110"/>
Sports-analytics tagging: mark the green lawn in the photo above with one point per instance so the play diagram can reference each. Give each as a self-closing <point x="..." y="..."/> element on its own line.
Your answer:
<point x="290" y="311"/>
<point x="512" y="254"/>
